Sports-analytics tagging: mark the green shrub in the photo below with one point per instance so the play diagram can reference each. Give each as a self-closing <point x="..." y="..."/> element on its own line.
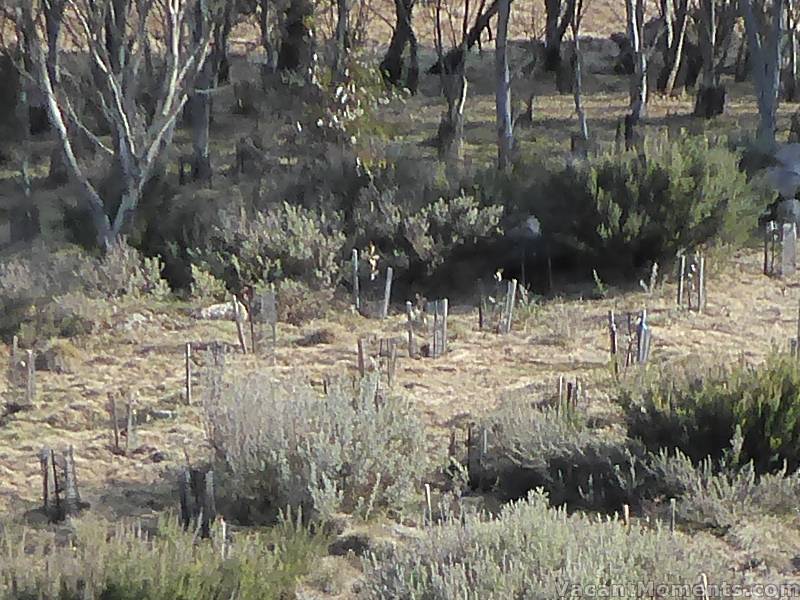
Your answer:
<point x="698" y="413"/>
<point x="122" y="563"/>
<point x="284" y="241"/>
<point x="438" y="229"/>
<point x="627" y="212"/>
<point x="281" y="443"/>
<point x="298" y="304"/>
<point x="533" y="551"/>
<point x="206" y="286"/>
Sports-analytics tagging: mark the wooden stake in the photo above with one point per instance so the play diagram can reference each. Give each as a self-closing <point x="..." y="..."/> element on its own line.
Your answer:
<point x="44" y="461"/>
<point x="112" y="404"/>
<point x="681" y="278"/>
<point x="626" y="515"/>
<point x="672" y="511"/>
<point x="788" y="250"/>
<point x="481" y="305"/>
<point x="130" y="438"/>
<point x="428" y="502"/>
<point x="237" y="314"/>
<point x="390" y="372"/>
<point x="188" y="382"/>
<point x="72" y="499"/>
<point x="362" y="357"/>
<point x="767" y="236"/>
<point x="223" y="537"/>
<point x="445" y="310"/>
<point x="30" y="383"/>
<point x="612" y="333"/>
<point x="511" y="302"/>
<point x="701" y="284"/>
<point x="56" y="488"/>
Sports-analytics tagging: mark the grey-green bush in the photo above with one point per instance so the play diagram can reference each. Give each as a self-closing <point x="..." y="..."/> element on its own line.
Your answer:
<point x="533" y="551"/>
<point x="282" y="443"/>
<point x="123" y="562"/>
<point x="54" y="292"/>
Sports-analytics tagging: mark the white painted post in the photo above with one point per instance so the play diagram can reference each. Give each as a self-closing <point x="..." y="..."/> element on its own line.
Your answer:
<point x="789" y="250"/>
<point x="356" y="292"/>
<point x="387" y="293"/>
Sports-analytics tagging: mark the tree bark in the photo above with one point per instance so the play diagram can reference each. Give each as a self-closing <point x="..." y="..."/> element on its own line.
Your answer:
<point x="342" y="36"/>
<point x="765" y="61"/>
<point x="578" y="94"/>
<point x="454" y="57"/>
<point x="198" y="105"/>
<point x="267" y="40"/>
<point x="790" y="86"/>
<point x="505" y="134"/>
<point x="138" y="142"/>
<point x="295" y="50"/>
<point x="674" y="58"/>
<point x="391" y="66"/>
<point x="557" y="16"/>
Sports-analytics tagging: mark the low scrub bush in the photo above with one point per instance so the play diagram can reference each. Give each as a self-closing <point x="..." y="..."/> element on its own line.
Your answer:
<point x="285" y="241"/>
<point x="280" y="443"/>
<point x="719" y="497"/>
<point x="437" y="230"/>
<point x="206" y="286"/>
<point x="298" y="304"/>
<point x="62" y="293"/>
<point x="698" y="413"/>
<point x="532" y="550"/>
<point x="628" y="211"/>
<point x="123" y="563"/>
<point x="531" y="447"/>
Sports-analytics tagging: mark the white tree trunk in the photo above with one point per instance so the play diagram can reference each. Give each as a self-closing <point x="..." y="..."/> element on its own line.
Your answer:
<point x="139" y="139"/>
<point x="638" y="88"/>
<point x="505" y="134"/>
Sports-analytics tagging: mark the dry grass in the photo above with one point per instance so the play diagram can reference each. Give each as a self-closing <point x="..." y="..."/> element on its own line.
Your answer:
<point x="747" y="314"/>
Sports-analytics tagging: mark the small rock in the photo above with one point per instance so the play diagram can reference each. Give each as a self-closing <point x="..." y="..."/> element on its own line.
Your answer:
<point x="337" y="524"/>
<point x="59" y="357"/>
<point x="159" y="456"/>
<point x="357" y="543"/>
<point x="316" y="338"/>
<point x="134" y="321"/>
<point x="219" y="312"/>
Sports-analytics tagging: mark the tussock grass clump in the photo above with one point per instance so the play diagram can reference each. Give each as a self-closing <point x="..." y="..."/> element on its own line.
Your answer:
<point x="121" y="563"/>
<point x="282" y="443"/>
<point x="533" y="551"/>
